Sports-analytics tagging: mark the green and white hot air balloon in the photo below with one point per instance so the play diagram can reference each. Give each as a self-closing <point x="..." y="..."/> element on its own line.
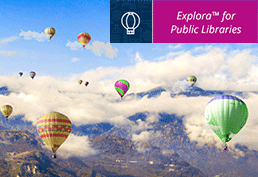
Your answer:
<point x="226" y="115"/>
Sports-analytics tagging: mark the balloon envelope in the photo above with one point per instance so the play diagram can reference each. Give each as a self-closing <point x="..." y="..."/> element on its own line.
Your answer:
<point x="53" y="129"/>
<point x="122" y="86"/>
<point x="226" y="115"/>
<point x="20" y="73"/>
<point x="50" y="32"/>
<point x="84" y="39"/>
<point x="32" y="74"/>
<point x="86" y="83"/>
<point x="7" y="110"/>
<point x="192" y="79"/>
<point x="80" y="81"/>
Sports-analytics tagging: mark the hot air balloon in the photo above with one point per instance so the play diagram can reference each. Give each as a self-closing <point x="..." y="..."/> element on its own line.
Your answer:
<point x="7" y="110"/>
<point x="80" y="81"/>
<point x="53" y="129"/>
<point x="227" y="115"/>
<point x="86" y="83"/>
<point x="192" y="79"/>
<point x="50" y="32"/>
<point x="122" y="86"/>
<point x="32" y="74"/>
<point x="84" y="39"/>
<point x="20" y="73"/>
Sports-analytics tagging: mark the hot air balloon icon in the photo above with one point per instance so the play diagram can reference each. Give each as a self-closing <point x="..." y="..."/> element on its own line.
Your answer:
<point x="136" y="23"/>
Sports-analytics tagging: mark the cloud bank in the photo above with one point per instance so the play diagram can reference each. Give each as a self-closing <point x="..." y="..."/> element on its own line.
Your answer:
<point x="99" y="102"/>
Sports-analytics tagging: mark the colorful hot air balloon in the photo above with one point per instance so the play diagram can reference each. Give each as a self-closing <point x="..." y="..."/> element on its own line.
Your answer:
<point x="20" y="73"/>
<point x="86" y="83"/>
<point x="122" y="86"/>
<point x="53" y="129"/>
<point x="227" y="115"/>
<point x="192" y="79"/>
<point x="7" y="110"/>
<point x="80" y="81"/>
<point x="50" y="32"/>
<point x="32" y="74"/>
<point x="84" y="39"/>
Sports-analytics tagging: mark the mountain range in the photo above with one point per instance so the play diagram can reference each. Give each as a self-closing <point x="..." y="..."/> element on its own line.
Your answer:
<point x="169" y="153"/>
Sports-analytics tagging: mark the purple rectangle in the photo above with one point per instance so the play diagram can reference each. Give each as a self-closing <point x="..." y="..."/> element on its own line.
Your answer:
<point x="205" y="22"/>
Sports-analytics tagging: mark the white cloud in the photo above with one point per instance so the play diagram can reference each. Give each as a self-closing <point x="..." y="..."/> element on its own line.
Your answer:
<point x="79" y="146"/>
<point x="10" y="39"/>
<point x="175" y="47"/>
<point x="75" y="59"/>
<point x="74" y="45"/>
<point x="240" y="64"/>
<point x="98" y="48"/>
<point x="138" y="58"/>
<point x="169" y="56"/>
<point x="145" y="136"/>
<point x="29" y="35"/>
<point x="7" y="53"/>
<point x="141" y="140"/>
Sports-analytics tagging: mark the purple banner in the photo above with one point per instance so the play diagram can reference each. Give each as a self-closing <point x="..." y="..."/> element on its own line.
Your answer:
<point x="204" y="21"/>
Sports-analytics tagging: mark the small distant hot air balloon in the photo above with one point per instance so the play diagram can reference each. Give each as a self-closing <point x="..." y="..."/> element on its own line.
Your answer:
<point x="7" y="110"/>
<point x="54" y="128"/>
<point x="20" y="73"/>
<point x="80" y="81"/>
<point x="32" y="74"/>
<point x="86" y="83"/>
<point x="122" y="86"/>
<point x="227" y="115"/>
<point x="192" y="79"/>
<point x="50" y="32"/>
<point x="84" y="39"/>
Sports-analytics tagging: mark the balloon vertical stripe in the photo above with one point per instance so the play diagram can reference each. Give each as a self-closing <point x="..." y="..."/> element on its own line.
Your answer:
<point x="120" y="91"/>
<point x="122" y="86"/>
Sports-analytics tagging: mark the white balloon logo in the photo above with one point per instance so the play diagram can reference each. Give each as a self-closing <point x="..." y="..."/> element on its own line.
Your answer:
<point x="130" y="30"/>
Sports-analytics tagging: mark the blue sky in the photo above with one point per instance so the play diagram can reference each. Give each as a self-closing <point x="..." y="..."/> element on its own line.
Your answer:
<point x="59" y="64"/>
<point x="69" y="19"/>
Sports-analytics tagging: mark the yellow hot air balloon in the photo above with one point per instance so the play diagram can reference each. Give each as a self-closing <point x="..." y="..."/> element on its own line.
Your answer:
<point x="50" y="32"/>
<point x="80" y="81"/>
<point x="53" y="129"/>
<point x="84" y="39"/>
<point x="7" y="110"/>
